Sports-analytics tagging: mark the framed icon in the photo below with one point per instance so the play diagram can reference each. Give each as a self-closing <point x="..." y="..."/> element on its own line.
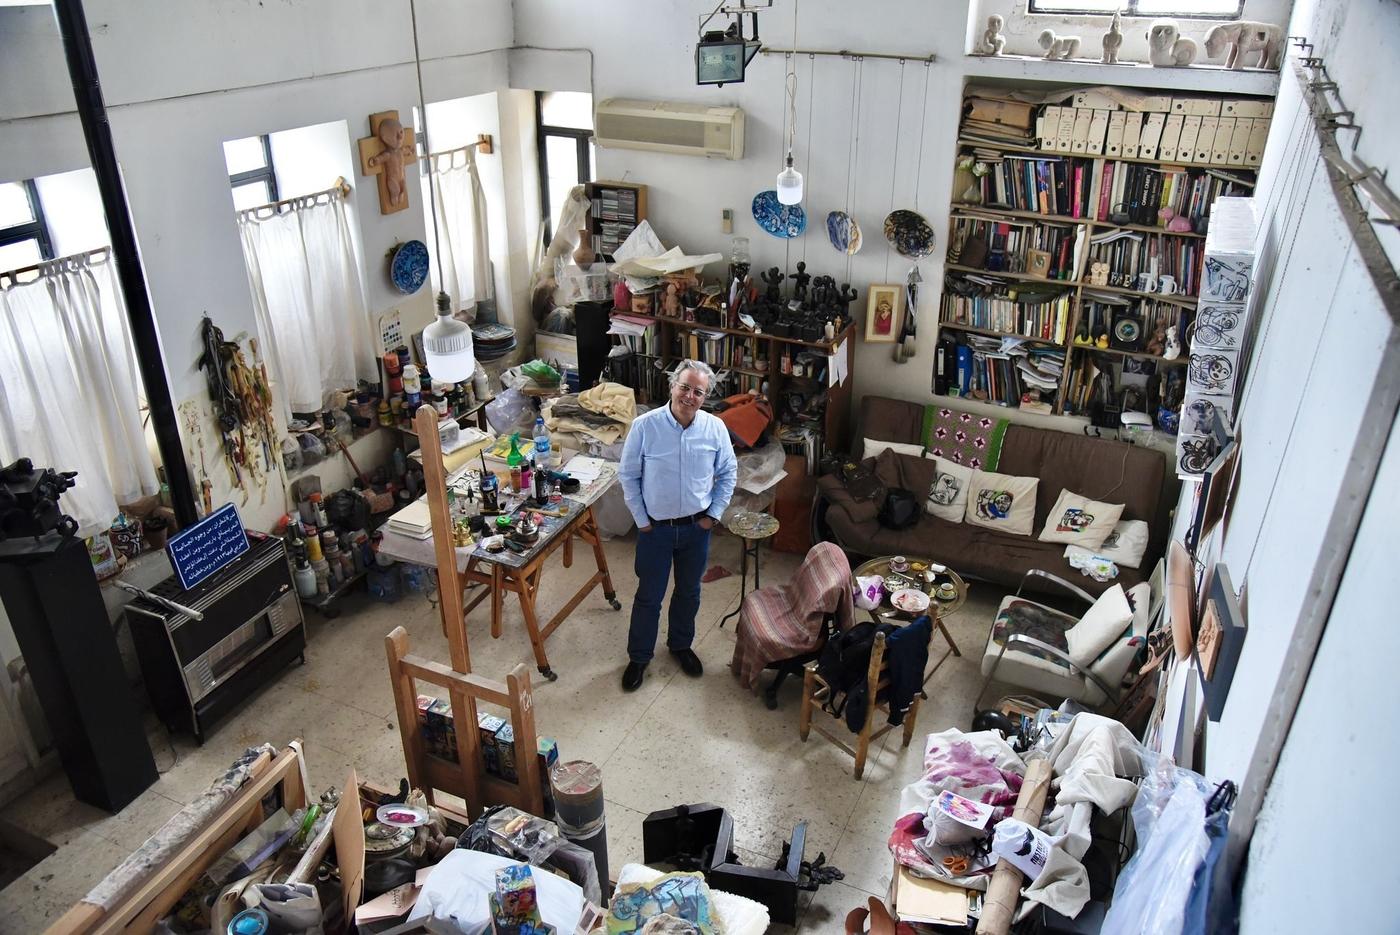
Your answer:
<point x="883" y="309"/>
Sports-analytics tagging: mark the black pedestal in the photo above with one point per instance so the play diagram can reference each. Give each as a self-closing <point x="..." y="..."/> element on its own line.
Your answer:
<point x="55" y="607"/>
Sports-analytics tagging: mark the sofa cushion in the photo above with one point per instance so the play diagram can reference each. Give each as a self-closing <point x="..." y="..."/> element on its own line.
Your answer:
<point x="1002" y="502"/>
<point x="1104" y="624"/>
<point x="1126" y="544"/>
<point x="873" y="447"/>
<point x="947" y="492"/>
<point x="1079" y="520"/>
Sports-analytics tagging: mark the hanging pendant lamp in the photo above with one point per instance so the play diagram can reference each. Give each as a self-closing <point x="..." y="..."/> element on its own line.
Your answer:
<point x="789" y="182"/>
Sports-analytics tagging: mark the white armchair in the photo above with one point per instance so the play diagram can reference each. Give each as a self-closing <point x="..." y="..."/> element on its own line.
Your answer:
<point x="1050" y="652"/>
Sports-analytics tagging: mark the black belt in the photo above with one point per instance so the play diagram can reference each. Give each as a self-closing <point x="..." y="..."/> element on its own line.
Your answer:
<point x="680" y="520"/>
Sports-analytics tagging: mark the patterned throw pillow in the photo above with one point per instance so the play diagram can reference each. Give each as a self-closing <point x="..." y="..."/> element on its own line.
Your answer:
<point x="947" y="494"/>
<point x="1002" y="502"/>
<point x="1080" y="520"/>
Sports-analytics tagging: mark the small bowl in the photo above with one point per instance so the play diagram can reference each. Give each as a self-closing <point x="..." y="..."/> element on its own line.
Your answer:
<point x="398" y="815"/>
<point x="910" y="601"/>
<point x="494" y="543"/>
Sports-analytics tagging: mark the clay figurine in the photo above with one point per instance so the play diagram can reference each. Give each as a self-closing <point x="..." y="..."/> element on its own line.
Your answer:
<point x="800" y="280"/>
<point x="774" y="278"/>
<point x="1167" y="47"/>
<point x="993" y="42"/>
<point x="1058" y="48"/>
<point x="1173" y="350"/>
<point x="671" y="302"/>
<point x="1113" y="40"/>
<point x="1242" y="38"/>
<point x="847" y="296"/>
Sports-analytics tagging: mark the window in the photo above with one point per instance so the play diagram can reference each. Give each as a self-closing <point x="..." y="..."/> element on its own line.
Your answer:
<point x="250" y="171"/>
<point x="564" y="130"/>
<point x="24" y="233"/>
<point x="1201" y="9"/>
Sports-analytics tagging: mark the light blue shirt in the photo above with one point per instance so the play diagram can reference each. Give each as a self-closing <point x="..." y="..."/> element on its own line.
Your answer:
<point x="668" y="472"/>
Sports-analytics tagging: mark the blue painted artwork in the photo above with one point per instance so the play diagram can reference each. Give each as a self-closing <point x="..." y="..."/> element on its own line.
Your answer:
<point x="778" y="219"/>
<point x="208" y="545"/>
<point x="843" y="232"/>
<point x="909" y="234"/>
<point x="409" y="267"/>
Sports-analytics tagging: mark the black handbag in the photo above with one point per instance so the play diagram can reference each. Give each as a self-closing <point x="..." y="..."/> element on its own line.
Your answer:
<point x="900" y="509"/>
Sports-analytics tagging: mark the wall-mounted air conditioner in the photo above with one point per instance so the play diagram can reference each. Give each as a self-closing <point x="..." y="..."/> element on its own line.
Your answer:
<point x="667" y="127"/>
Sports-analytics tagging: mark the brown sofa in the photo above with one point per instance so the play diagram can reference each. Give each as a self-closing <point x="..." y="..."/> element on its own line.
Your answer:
<point x="1112" y="471"/>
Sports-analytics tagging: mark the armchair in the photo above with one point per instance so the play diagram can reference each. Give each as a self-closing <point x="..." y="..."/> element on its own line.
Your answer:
<point x="1051" y="652"/>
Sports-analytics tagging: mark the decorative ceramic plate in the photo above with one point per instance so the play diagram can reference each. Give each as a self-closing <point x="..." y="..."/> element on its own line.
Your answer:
<point x="778" y="219"/>
<point x="909" y="234"/>
<point x="910" y="601"/>
<point x="409" y="267"/>
<point x="843" y="232"/>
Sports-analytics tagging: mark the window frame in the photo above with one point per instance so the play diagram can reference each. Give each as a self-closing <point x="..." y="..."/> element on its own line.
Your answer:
<point x="37" y="229"/>
<point x="1130" y="8"/>
<point x="268" y="173"/>
<point x="582" y="150"/>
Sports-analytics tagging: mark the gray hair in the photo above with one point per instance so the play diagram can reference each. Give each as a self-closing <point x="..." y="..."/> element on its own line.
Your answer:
<point x="699" y="367"/>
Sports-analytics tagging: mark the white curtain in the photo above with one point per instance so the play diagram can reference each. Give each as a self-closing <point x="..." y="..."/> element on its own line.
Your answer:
<point x="460" y="205"/>
<point x="303" y="270"/>
<point x="71" y="387"/>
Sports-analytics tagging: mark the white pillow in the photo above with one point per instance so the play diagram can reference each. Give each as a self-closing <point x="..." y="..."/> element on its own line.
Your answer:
<point x="1102" y="626"/>
<point x="1126" y="544"/>
<point x="873" y="447"/>
<point x="1080" y="520"/>
<point x="947" y="496"/>
<point x="1002" y="502"/>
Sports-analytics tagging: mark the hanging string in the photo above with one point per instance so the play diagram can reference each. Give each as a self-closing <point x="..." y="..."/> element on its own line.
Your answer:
<point x="811" y="156"/>
<point x="923" y="126"/>
<point x="894" y="172"/>
<point x="857" y="103"/>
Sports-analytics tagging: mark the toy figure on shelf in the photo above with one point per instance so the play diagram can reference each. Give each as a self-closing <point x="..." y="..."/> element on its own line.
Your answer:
<point x="1081" y="337"/>
<point x="774" y="278"/>
<point x="799" y="289"/>
<point x="844" y="300"/>
<point x="671" y="302"/>
<point x="992" y="42"/>
<point x="1102" y="341"/>
<point x="1173" y="345"/>
<point x="1158" y="344"/>
<point x="1113" y="40"/>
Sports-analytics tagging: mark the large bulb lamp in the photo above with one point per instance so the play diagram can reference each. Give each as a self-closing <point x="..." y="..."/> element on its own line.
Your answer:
<point x="447" y="343"/>
<point x="789" y="185"/>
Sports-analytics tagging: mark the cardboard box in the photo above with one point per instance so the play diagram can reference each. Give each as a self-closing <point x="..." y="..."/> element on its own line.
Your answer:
<point x="488" y="725"/>
<point x="505" y="746"/>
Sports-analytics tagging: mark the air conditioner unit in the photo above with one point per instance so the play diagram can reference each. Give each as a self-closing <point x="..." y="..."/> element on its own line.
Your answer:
<point x="666" y="127"/>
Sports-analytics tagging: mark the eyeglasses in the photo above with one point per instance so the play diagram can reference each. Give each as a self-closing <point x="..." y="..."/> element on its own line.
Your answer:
<point x="690" y="391"/>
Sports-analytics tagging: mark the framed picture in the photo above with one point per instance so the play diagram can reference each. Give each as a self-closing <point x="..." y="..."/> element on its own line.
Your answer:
<point x="1038" y="264"/>
<point x="883" y="309"/>
<point x="1220" y="641"/>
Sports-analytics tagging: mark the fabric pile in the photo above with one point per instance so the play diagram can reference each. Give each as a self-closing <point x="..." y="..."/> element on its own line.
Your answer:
<point x="601" y="415"/>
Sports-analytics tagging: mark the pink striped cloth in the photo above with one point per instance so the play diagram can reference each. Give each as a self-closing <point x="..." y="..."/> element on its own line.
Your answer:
<point x="782" y="621"/>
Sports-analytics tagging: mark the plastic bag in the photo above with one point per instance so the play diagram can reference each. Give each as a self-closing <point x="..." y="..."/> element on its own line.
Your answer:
<point x="1026" y="846"/>
<point x="1169" y="816"/>
<point x="510" y="412"/>
<point x="869" y="592"/>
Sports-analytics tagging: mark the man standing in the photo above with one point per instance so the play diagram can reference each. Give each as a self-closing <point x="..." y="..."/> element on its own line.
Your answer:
<point x="678" y="472"/>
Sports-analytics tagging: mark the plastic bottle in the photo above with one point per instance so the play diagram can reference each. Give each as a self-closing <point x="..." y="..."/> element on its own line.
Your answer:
<point x="515" y="457"/>
<point x="411" y="380"/>
<point x="543" y="453"/>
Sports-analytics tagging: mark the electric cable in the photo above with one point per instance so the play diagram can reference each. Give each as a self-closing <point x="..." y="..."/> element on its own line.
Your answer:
<point x="811" y="156"/>
<point x="894" y="170"/>
<point x="923" y="129"/>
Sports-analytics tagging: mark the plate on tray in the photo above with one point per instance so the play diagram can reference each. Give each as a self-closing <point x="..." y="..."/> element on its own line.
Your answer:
<point x="910" y="601"/>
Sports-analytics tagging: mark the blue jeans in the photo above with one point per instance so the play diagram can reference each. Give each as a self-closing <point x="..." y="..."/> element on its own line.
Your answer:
<point x="687" y="548"/>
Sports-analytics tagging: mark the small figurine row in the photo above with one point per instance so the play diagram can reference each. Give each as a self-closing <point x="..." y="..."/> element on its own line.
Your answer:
<point x="1167" y="47"/>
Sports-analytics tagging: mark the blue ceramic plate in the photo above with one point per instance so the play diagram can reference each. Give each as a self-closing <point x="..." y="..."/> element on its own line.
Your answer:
<point x="409" y="267"/>
<point x="909" y="234"/>
<point x="776" y="218"/>
<point x="843" y="232"/>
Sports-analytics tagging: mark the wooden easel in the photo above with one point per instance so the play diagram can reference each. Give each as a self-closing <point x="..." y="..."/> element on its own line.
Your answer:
<point x="467" y="778"/>
<point x="496" y="578"/>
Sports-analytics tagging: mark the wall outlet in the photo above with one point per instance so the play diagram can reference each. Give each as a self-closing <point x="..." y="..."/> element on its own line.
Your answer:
<point x="726" y="221"/>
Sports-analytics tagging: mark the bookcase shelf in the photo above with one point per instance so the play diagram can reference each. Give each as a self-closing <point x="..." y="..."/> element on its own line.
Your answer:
<point x="1075" y="182"/>
<point x="616" y="210"/>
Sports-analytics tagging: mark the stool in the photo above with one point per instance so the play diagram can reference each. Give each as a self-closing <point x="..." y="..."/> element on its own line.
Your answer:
<point x="752" y="528"/>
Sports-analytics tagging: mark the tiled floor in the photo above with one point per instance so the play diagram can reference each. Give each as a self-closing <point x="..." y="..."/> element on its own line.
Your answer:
<point x="675" y="740"/>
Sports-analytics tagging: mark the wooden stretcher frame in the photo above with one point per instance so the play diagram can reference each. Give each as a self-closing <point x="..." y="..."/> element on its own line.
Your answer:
<point x="495" y="578"/>
<point x="157" y="895"/>
<point x="467" y="778"/>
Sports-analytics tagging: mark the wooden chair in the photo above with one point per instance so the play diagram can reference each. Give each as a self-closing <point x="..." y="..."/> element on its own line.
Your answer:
<point x="816" y="691"/>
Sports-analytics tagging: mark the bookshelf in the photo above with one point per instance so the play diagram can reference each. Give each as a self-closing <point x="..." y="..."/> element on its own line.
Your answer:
<point x="794" y="370"/>
<point x="1058" y="247"/>
<point x="617" y="208"/>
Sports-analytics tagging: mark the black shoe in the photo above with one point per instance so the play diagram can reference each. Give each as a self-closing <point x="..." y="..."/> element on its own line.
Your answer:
<point x="632" y="676"/>
<point x="690" y="663"/>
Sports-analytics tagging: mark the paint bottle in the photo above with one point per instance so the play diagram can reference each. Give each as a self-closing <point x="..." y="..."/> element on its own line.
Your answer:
<point x="404" y="359"/>
<point x="440" y="404"/>
<point x="391" y="364"/>
<point x="516" y="477"/>
<point x="412" y="384"/>
<point x="386" y="415"/>
<point x="479" y="386"/>
<point x="490" y="502"/>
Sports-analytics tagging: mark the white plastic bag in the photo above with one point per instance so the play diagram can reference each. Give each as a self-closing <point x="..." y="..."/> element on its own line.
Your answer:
<point x="1169" y="816"/>
<point x="869" y="591"/>
<point x="1025" y="846"/>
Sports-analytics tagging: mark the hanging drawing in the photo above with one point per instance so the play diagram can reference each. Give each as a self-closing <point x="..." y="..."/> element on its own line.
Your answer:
<point x="1218" y="327"/>
<point x="384" y="154"/>
<point x="1226" y="278"/>
<point x="1211" y="372"/>
<point x="1198" y="414"/>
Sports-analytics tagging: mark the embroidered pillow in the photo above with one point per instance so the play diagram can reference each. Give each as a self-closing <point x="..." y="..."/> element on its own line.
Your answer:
<point x="1002" y="502"/>
<point x="947" y="494"/>
<point x="1080" y="520"/>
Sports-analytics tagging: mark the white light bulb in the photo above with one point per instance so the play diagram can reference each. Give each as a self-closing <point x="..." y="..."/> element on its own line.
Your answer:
<point x="447" y="343"/>
<point x="789" y="185"/>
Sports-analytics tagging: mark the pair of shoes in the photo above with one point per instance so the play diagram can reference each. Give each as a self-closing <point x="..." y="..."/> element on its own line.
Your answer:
<point x="690" y="663"/>
<point x="632" y="676"/>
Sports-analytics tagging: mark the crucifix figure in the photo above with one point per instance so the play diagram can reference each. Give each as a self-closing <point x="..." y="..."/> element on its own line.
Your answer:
<point x="384" y="153"/>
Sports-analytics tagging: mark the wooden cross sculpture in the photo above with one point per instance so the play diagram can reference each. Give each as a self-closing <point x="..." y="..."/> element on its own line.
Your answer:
<point x="384" y="153"/>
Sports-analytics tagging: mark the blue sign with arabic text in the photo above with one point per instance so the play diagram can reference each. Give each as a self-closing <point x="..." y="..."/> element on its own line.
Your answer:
<point x="208" y="545"/>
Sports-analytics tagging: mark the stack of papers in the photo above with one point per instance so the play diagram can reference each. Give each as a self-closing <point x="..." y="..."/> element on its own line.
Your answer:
<point x="413" y="520"/>
<point x="585" y="469"/>
<point x="930" y="902"/>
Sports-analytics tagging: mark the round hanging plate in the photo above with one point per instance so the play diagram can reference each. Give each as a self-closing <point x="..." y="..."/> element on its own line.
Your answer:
<point x="843" y="232"/>
<point x="409" y="267"/>
<point x="909" y="234"/>
<point x="778" y="219"/>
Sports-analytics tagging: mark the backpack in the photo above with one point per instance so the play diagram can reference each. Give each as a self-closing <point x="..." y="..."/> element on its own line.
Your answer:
<point x="845" y="664"/>
<point x="900" y="509"/>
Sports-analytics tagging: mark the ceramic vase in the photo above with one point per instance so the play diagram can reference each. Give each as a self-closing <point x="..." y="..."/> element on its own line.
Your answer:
<point x="584" y="255"/>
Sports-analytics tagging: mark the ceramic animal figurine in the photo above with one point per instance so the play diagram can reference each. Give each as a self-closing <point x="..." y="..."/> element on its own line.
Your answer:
<point x="1173" y="350"/>
<point x="1113" y="40"/>
<point x="1241" y="38"/>
<point x="1102" y="341"/>
<point x="993" y="42"/>
<point x="1167" y="47"/>
<point x="1058" y="48"/>
<point x="1098" y="274"/>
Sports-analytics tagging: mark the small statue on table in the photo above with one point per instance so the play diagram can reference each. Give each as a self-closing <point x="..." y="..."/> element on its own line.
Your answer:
<point x="774" y="278"/>
<point x="800" y="281"/>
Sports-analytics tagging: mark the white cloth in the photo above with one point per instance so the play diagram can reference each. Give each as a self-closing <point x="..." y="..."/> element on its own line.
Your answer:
<point x="459" y="202"/>
<point x="456" y="896"/>
<point x="72" y="389"/>
<point x="304" y="273"/>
